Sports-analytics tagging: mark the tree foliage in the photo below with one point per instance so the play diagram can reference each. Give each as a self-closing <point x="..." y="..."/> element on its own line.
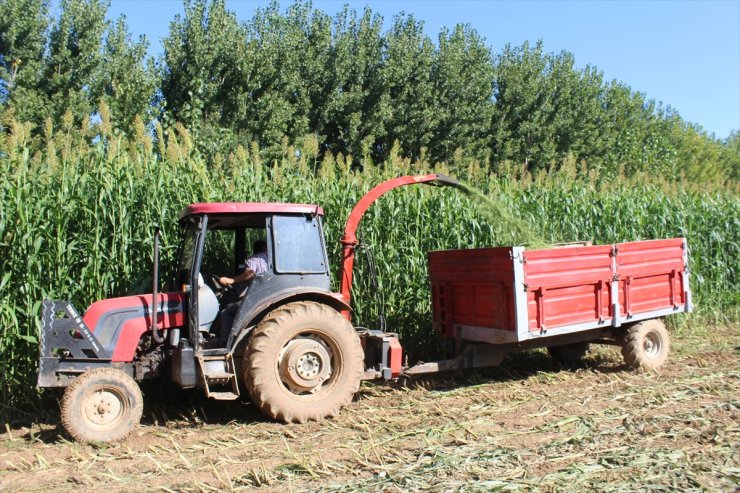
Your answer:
<point x="71" y="67"/>
<point x="23" y="38"/>
<point x="408" y="79"/>
<point x="128" y="81"/>
<point x="60" y="69"/>
<point x="463" y="80"/>
<point x="348" y="84"/>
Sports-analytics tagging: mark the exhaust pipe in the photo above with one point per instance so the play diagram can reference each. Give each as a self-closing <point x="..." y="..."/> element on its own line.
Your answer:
<point x="158" y="338"/>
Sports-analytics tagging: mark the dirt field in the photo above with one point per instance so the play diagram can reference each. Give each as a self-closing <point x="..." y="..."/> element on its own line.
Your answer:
<point x="528" y="426"/>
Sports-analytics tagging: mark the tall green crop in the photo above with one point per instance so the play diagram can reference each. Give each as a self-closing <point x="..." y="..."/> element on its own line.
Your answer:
<point x="76" y="223"/>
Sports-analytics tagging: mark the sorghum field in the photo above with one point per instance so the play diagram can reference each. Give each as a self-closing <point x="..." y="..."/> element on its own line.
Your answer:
<point x="77" y="220"/>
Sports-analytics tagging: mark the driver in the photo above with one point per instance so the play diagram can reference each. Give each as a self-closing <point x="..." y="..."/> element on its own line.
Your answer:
<point x="256" y="264"/>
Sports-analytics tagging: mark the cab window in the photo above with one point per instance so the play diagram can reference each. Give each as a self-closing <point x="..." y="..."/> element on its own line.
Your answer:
<point x="298" y="244"/>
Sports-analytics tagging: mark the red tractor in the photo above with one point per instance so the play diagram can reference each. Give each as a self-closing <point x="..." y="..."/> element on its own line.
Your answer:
<point x="288" y="340"/>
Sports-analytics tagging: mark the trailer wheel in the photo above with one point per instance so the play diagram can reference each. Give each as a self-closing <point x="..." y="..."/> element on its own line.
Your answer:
<point x="645" y="345"/>
<point x="304" y="362"/>
<point x="569" y="355"/>
<point x="101" y="405"/>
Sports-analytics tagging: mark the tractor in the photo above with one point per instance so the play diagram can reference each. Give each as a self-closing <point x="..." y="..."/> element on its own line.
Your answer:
<point x="283" y="338"/>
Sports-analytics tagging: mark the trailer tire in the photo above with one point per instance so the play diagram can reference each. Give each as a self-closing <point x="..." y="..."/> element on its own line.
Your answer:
<point x="304" y="362"/>
<point x="645" y="345"/>
<point x="101" y="405"/>
<point x="569" y="355"/>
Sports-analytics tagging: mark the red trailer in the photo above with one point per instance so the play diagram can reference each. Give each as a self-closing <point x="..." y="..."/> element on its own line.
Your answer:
<point x="562" y="298"/>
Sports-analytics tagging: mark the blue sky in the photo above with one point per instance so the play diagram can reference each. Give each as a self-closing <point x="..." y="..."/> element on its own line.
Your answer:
<point x="683" y="53"/>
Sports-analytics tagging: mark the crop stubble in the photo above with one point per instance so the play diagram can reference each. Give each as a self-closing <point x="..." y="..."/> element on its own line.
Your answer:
<point x="526" y="426"/>
<point x="79" y="227"/>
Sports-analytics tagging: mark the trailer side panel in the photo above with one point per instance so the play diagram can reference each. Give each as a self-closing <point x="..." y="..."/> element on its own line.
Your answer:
<point x="509" y="294"/>
<point x="567" y="286"/>
<point x="652" y="276"/>
<point x="473" y="290"/>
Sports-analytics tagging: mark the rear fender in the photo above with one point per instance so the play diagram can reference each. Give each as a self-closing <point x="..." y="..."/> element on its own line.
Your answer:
<point x="255" y="314"/>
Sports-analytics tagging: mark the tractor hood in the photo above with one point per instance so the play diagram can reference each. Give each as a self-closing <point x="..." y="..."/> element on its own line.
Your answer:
<point x="119" y="323"/>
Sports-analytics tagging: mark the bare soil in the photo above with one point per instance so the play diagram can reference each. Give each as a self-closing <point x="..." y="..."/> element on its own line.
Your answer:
<point x="526" y="426"/>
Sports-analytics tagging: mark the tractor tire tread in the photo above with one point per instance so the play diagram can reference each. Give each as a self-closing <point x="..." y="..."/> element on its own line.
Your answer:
<point x="264" y="388"/>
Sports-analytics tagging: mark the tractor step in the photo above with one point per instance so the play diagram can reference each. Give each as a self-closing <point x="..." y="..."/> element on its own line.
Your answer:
<point x="215" y="357"/>
<point x="219" y="375"/>
<point x="223" y="396"/>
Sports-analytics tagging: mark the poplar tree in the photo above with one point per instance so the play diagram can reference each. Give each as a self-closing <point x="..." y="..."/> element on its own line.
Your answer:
<point x="463" y="89"/>
<point x="127" y="79"/>
<point x="74" y="60"/>
<point x="521" y="124"/>
<point x="203" y="59"/>
<point x="354" y="108"/>
<point x="23" y="34"/>
<point x="412" y="115"/>
<point x="277" y="78"/>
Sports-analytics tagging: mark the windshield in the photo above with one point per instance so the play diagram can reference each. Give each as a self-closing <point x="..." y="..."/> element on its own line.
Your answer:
<point x="187" y="254"/>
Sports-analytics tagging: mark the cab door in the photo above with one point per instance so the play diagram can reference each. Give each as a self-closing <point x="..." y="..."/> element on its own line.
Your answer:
<point x="297" y="263"/>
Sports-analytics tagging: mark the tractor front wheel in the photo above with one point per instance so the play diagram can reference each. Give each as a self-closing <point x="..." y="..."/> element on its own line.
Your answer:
<point x="304" y="362"/>
<point x="645" y="345"/>
<point x="101" y="405"/>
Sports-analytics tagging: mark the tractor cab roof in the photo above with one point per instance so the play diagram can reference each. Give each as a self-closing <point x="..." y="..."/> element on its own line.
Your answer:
<point x="230" y="215"/>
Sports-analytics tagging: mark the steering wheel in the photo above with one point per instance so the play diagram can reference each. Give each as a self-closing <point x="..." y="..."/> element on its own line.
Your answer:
<point x="212" y="281"/>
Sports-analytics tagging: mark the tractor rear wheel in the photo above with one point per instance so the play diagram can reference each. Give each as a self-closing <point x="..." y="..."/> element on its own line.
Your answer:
<point x="304" y="362"/>
<point x="569" y="355"/>
<point x="645" y="345"/>
<point x="101" y="405"/>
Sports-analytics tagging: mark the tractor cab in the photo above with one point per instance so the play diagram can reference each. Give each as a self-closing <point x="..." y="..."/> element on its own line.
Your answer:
<point x="218" y="240"/>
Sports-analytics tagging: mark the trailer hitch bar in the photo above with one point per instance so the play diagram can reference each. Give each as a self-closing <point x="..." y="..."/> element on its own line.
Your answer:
<point x="478" y="356"/>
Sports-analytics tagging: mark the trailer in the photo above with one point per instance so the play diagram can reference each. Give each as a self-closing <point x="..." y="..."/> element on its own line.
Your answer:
<point x="498" y="300"/>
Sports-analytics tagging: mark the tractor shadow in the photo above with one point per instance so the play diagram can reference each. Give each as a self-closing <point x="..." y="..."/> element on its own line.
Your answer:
<point x="164" y="406"/>
<point x="37" y="420"/>
<point x="167" y="406"/>
<point x="185" y="409"/>
<point x="190" y="409"/>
